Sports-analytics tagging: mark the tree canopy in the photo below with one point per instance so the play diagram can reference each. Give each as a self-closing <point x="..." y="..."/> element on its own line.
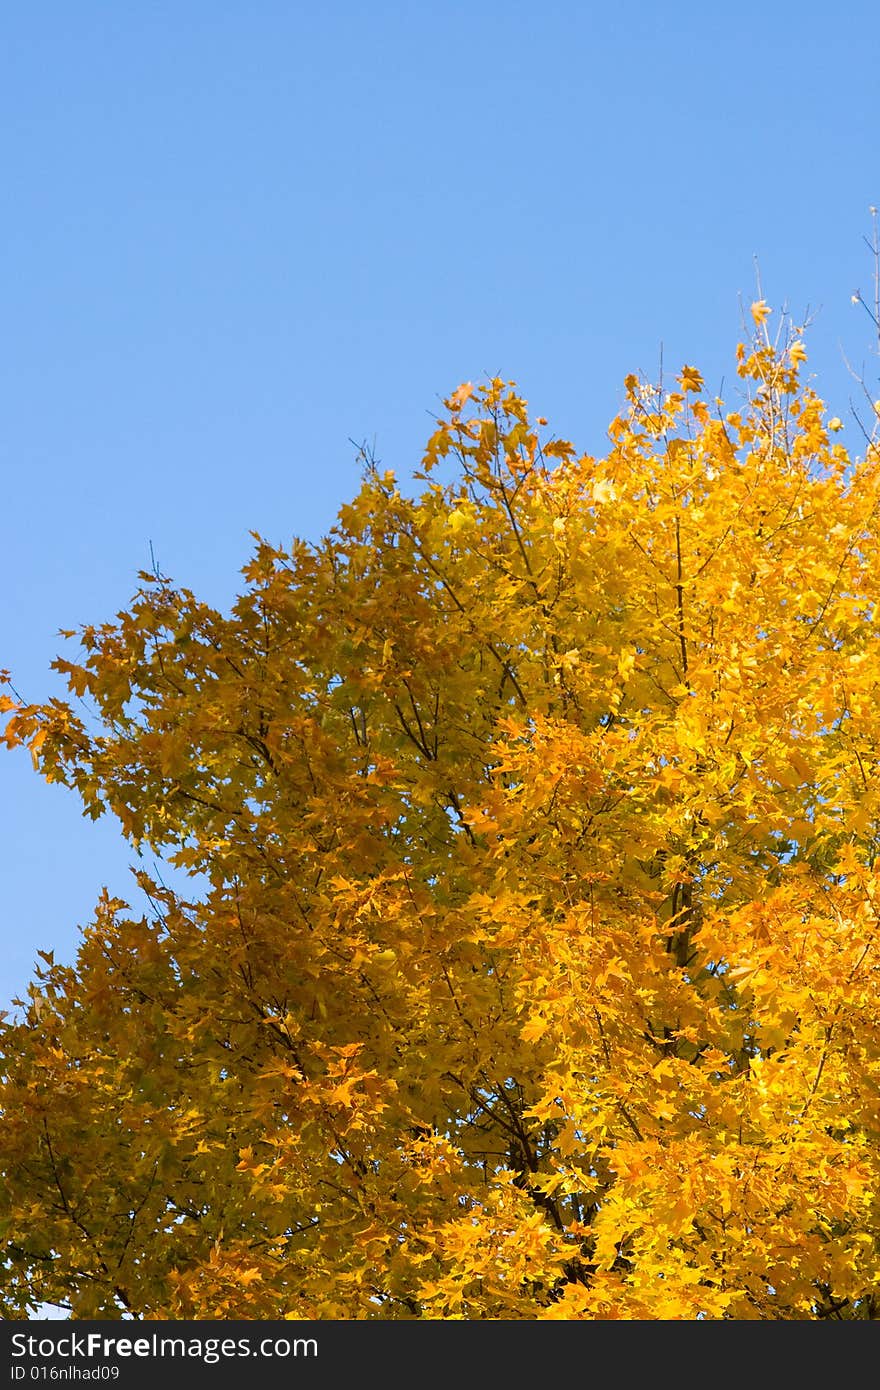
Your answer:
<point x="531" y="966"/>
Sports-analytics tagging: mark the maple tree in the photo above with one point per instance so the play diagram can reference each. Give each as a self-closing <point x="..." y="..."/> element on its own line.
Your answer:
<point x="531" y="965"/>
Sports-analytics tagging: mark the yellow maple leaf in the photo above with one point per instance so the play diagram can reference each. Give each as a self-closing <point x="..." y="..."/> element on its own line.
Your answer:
<point x="603" y="491"/>
<point x="460" y="397"/>
<point x="535" y="1029"/>
<point x="690" y="379"/>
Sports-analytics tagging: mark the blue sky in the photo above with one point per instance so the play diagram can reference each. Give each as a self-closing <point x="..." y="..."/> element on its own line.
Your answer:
<point x="238" y="237"/>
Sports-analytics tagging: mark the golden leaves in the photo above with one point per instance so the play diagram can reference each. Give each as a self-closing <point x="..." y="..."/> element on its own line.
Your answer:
<point x="532" y="962"/>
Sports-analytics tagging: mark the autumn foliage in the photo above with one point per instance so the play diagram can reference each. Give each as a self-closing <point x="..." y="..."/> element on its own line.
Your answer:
<point x="531" y="967"/>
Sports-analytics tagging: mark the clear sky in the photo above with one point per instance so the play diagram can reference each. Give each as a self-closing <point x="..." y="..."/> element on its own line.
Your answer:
<point x="237" y="237"/>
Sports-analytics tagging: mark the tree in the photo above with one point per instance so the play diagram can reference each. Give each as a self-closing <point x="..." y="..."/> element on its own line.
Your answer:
<point x="531" y="968"/>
